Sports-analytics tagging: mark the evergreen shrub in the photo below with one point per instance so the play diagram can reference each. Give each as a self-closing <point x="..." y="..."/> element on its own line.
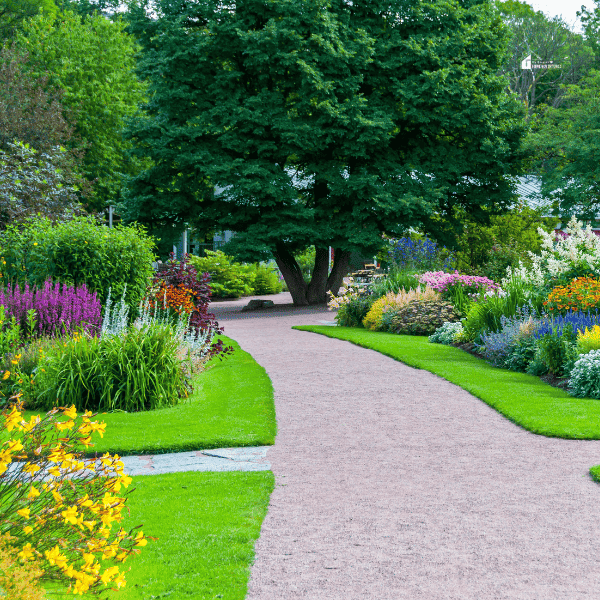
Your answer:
<point x="423" y="317"/>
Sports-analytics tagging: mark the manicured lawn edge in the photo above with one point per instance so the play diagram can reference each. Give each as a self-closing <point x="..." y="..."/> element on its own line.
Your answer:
<point x="232" y="405"/>
<point x="523" y="399"/>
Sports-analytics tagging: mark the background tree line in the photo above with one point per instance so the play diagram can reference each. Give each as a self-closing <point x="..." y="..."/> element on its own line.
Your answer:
<point x="297" y="124"/>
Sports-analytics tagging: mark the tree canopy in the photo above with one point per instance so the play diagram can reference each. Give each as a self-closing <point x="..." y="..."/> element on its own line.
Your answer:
<point x="92" y="60"/>
<point x="325" y="123"/>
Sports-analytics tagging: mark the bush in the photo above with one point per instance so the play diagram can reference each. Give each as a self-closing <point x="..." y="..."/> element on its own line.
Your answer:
<point x="383" y="310"/>
<point x="498" y="347"/>
<point x="423" y="317"/>
<point x="80" y="252"/>
<point x="585" y="376"/>
<point x="447" y="333"/>
<point x="228" y="279"/>
<point x="558" y="352"/>
<point x="58" y="310"/>
<point x="353" y="312"/>
<point x="139" y="370"/>
<point x="60" y="508"/>
<point x="265" y="281"/>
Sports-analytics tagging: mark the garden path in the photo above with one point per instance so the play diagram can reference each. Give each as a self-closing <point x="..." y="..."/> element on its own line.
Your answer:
<point x="392" y="483"/>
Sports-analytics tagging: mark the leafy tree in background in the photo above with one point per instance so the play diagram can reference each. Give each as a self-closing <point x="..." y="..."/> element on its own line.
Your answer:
<point x="546" y="40"/>
<point x="92" y="60"/>
<point x="30" y="112"/>
<point x="13" y="13"/>
<point x="566" y="144"/>
<point x="299" y="123"/>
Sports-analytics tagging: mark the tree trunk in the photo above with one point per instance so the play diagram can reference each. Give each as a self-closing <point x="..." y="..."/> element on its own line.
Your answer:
<point x="315" y="292"/>
<point x="292" y="274"/>
<point x="317" y="288"/>
<point x="341" y="266"/>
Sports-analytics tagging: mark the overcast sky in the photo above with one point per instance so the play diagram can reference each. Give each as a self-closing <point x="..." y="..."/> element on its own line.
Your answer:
<point x="566" y="8"/>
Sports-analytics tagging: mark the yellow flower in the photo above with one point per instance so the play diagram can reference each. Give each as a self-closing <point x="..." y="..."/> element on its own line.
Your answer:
<point x="35" y="243"/>
<point x="65" y="425"/>
<point x="27" y="529"/>
<point x="14" y="446"/>
<point x="27" y="552"/>
<point x="13" y="419"/>
<point x="33" y="493"/>
<point x="140" y="539"/>
<point x="24" y="512"/>
<point x="33" y="421"/>
<point x="14" y="362"/>
<point x="70" y="412"/>
<point x="70" y="515"/>
<point x="120" y="581"/>
<point x="55" y="471"/>
<point x="54" y="557"/>
<point x="109" y="574"/>
<point x="31" y="468"/>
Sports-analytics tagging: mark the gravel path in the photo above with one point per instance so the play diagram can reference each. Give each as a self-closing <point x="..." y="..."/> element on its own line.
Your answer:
<point x="393" y="483"/>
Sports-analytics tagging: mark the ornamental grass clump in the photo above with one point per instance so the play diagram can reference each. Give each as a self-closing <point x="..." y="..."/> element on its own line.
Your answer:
<point x="61" y="510"/>
<point x="581" y="294"/>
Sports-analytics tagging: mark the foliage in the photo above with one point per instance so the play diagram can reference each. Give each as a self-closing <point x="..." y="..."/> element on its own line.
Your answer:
<point x="57" y="310"/>
<point x="60" y="506"/>
<point x="266" y="280"/>
<point x="546" y="39"/>
<point x="422" y="317"/>
<point x="581" y="294"/>
<point x="33" y="184"/>
<point x="489" y="249"/>
<point x="80" y="252"/>
<point x="393" y="282"/>
<point x="139" y="370"/>
<point x="92" y="59"/>
<point x="588" y="340"/>
<point x="446" y="333"/>
<point x="302" y="142"/>
<point x="14" y="13"/>
<point x="352" y="312"/>
<point x="522" y="356"/>
<point x="183" y="276"/>
<point x="557" y="351"/>
<point x="19" y="580"/>
<point x="498" y="347"/>
<point x="306" y="262"/>
<point x="392" y="303"/>
<point x="30" y="110"/>
<point x="408" y="254"/>
<point x="584" y="381"/>
<point x="228" y="279"/>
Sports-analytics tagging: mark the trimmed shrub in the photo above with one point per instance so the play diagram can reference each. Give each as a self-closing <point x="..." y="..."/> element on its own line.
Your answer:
<point x="79" y="252"/>
<point x="352" y="312"/>
<point x="423" y="317"/>
<point x="228" y="279"/>
<point x="585" y="376"/>
<point x="266" y="281"/>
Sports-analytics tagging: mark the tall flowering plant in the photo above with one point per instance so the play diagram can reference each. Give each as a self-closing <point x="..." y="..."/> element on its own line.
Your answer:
<point x="60" y="509"/>
<point x="409" y="254"/>
<point x="59" y="309"/>
<point x="570" y="254"/>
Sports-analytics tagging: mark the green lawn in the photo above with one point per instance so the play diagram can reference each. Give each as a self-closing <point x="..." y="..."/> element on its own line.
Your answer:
<point x="232" y="405"/>
<point x="523" y="399"/>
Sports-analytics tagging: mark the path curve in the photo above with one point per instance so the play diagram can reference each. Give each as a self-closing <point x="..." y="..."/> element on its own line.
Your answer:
<point x="392" y="483"/>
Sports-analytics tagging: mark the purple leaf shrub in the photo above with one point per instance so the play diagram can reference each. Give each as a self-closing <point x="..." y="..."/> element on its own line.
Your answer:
<point x="59" y="309"/>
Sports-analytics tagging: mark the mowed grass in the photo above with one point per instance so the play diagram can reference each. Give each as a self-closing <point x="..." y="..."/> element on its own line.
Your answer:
<point x="523" y="399"/>
<point x="232" y="405"/>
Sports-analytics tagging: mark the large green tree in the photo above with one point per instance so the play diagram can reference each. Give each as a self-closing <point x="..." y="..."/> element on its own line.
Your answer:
<point x="13" y="13"/>
<point x="92" y="61"/>
<point x="322" y="122"/>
